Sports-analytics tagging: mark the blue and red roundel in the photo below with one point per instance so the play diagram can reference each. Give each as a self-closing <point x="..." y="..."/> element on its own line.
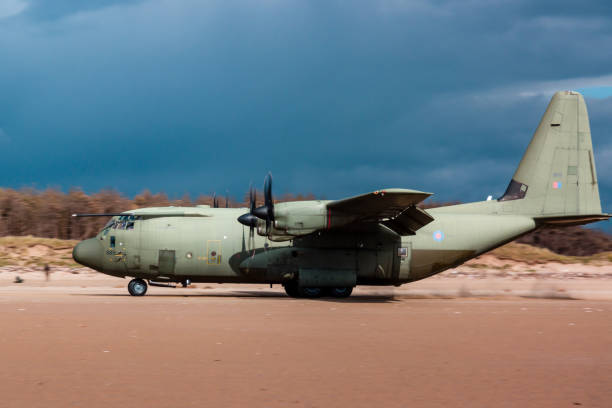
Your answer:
<point x="438" y="236"/>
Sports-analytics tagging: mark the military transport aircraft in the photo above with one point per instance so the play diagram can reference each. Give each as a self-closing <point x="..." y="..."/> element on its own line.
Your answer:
<point x="326" y="248"/>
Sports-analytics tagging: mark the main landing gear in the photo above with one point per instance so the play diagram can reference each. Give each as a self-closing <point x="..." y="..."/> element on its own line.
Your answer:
<point x="295" y="291"/>
<point x="137" y="287"/>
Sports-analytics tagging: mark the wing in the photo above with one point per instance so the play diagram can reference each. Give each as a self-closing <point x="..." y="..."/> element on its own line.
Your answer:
<point x="394" y="207"/>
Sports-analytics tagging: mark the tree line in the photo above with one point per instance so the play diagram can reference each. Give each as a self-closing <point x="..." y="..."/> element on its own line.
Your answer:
<point x="48" y="213"/>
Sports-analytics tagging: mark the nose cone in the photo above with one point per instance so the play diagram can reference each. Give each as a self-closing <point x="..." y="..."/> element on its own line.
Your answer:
<point x="88" y="253"/>
<point x="248" y="219"/>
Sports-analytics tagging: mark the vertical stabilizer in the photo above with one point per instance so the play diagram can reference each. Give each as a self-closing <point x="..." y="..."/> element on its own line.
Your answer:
<point x="557" y="176"/>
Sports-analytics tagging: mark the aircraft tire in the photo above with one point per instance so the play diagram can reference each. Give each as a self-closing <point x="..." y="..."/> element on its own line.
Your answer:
<point x="291" y="290"/>
<point x="310" y="293"/>
<point x="137" y="287"/>
<point x="343" y="292"/>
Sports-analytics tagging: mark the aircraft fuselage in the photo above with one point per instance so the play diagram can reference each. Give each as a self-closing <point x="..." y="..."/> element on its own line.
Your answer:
<point x="214" y="247"/>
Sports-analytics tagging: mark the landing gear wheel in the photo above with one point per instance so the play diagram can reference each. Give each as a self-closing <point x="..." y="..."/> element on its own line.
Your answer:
<point x="340" y="292"/>
<point x="137" y="287"/>
<point x="291" y="289"/>
<point x="310" y="292"/>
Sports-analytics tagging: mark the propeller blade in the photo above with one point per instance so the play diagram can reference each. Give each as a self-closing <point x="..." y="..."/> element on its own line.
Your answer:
<point x="269" y="199"/>
<point x="268" y="191"/>
<point x="265" y="212"/>
<point x="251" y="199"/>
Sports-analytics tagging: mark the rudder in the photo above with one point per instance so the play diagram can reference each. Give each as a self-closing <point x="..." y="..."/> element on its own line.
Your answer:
<point x="557" y="177"/>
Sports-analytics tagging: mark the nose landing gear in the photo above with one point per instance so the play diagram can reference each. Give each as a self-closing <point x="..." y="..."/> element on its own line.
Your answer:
<point x="137" y="287"/>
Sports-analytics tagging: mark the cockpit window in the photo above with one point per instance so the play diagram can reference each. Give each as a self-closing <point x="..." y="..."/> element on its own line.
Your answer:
<point x="123" y="222"/>
<point x="515" y="191"/>
<point x="109" y="224"/>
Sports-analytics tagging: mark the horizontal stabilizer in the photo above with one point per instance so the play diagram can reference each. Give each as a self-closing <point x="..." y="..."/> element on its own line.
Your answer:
<point x="571" y="220"/>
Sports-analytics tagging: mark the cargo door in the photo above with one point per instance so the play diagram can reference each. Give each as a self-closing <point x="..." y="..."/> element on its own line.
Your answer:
<point x="166" y="262"/>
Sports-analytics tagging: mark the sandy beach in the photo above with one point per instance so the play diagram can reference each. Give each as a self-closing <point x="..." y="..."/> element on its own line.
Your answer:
<point x="81" y="340"/>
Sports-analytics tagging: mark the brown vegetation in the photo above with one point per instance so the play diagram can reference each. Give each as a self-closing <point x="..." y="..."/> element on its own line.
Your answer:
<point x="577" y="241"/>
<point x="49" y="213"/>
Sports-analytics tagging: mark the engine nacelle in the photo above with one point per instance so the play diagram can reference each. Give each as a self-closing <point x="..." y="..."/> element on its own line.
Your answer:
<point x="304" y="217"/>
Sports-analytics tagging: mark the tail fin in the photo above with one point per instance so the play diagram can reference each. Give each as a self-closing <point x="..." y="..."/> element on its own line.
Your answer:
<point x="556" y="178"/>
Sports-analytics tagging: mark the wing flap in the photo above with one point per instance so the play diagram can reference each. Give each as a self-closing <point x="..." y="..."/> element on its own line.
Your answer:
<point x="380" y="203"/>
<point x="409" y="221"/>
<point x="395" y="208"/>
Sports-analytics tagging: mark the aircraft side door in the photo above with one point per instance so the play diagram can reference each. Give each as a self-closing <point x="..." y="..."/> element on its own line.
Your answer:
<point x="132" y="232"/>
<point x="404" y="256"/>
<point x="166" y="262"/>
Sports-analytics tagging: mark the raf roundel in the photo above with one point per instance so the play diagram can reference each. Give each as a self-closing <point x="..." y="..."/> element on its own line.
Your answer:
<point x="438" y="236"/>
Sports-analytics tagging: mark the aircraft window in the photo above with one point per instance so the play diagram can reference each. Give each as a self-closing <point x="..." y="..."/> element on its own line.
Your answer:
<point x="109" y="224"/>
<point x="123" y="222"/>
<point x="515" y="191"/>
<point x="112" y="241"/>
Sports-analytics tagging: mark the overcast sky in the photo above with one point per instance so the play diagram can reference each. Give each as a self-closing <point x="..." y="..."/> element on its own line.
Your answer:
<point x="333" y="97"/>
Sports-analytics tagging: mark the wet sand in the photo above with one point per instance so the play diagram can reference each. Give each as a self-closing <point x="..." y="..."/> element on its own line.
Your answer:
<point x="250" y="346"/>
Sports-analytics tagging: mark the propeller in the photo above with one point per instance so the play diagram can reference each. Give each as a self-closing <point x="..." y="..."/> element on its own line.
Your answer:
<point x="249" y="219"/>
<point x="266" y="211"/>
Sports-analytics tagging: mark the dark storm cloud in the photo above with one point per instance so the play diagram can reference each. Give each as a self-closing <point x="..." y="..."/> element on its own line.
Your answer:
<point x="334" y="97"/>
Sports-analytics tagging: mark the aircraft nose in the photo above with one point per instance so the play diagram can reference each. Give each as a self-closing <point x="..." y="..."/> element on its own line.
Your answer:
<point x="88" y="253"/>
